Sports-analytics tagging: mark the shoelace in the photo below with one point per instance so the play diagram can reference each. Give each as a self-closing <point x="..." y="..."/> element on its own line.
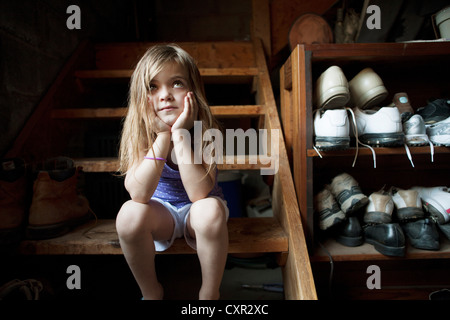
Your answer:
<point x="357" y="141"/>
<point x="429" y="142"/>
<point x="314" y="147"/>
<point x="408" y="153"/>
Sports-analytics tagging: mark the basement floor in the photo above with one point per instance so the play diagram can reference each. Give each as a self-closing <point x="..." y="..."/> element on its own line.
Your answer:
<point x="108" y="277"/>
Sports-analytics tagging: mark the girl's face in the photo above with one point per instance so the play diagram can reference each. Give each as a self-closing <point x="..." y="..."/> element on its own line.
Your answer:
<point x="167" y="92"/>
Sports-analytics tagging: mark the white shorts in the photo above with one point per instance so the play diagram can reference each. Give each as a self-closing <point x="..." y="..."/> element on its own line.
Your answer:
<point x="180" y="229"/>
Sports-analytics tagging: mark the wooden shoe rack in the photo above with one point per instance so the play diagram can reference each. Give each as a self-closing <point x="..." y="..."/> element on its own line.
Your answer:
<point x="415" y="68"/>
<point x="94" y="70"/>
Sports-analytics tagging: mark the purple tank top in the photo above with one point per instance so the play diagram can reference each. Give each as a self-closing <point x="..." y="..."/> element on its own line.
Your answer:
<point x="170" y="188"/>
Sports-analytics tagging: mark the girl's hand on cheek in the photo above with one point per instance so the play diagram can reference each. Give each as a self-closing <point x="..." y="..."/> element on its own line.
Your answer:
<point x="189" y="115"/>
<point x="157" y="124"/>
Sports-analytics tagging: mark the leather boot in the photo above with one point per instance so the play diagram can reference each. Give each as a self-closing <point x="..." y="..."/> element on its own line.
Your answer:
<point x="57" y="204"/>
<point x="13" y="200"/>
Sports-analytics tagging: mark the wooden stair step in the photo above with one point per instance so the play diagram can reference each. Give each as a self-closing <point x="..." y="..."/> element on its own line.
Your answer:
<point x="91" y="113"/>
<point x="246" y="235"/>
<point x="229" y="163"/>
<point x="126" y="73"/>
<point x="206" y="54"/>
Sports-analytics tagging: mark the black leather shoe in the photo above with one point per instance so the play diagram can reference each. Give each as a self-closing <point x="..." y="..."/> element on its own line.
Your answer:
<point x="387" y="238"/>
<point x="349" y="233"/>
<point x="422" y="233"/>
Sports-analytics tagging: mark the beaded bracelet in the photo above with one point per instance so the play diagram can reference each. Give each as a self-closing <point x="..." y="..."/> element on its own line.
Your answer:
<point x="151" y="158"/>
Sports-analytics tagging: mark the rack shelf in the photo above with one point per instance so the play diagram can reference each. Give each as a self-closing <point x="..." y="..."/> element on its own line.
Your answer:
<point x="366" y="251"/>
<point x="378" y="151"/>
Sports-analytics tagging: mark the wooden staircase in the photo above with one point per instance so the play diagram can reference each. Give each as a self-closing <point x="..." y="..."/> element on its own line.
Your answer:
<point x="61" y="117"/>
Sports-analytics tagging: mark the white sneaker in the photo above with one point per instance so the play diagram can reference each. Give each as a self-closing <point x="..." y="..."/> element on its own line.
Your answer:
<point x="439" y="132"/>
<point x="331" y="129"/>
<point x="332" y="89"/>
<point x="366" y="89"/>
<point x="436" y="201"/>
<point x="382" y="128"/>
<point x="415" y="131"/>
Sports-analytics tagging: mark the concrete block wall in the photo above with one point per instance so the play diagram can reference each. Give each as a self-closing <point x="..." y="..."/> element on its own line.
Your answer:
<point x="35" y="42"/>
<point x="34" y="45"/>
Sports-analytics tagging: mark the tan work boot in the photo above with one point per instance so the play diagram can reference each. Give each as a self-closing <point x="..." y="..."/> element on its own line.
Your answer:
<point x="380" y="208"/>
<point x="13" y="200"/>
<point x="57" y="204"/>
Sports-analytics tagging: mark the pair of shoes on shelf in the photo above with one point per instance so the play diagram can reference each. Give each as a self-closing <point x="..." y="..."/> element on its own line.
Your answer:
<point x="419" y="211"/>
<point x="429" y="125"/>
<point x="401" y="211"/>
<point x="333" y="90"/>
<point x="393" y="216"/>
<point x="380" y="127"/>
<point x="55" y="203"/>
<point x="336" y="206"/>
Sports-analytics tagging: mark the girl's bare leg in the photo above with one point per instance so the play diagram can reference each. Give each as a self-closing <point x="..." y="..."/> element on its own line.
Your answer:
<point x="208" y="225"/>
<point x="138" y="225"/>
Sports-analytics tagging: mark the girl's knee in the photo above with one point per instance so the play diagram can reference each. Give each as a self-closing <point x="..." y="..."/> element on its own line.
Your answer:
<point x="130" y="221"/>
<point x="208" y="215"/>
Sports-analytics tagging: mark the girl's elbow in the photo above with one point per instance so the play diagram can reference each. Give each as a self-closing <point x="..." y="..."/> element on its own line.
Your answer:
<point x="198" y="195"/>
<point x="139" y="197"/>
<point x="143" y="200"/>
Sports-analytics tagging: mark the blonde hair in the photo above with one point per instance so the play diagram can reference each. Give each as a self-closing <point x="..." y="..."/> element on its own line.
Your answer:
<point x="137" y="134"/>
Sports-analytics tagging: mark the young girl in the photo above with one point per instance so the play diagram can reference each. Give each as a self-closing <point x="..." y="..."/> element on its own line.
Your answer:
<point x="171" y="195"/>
